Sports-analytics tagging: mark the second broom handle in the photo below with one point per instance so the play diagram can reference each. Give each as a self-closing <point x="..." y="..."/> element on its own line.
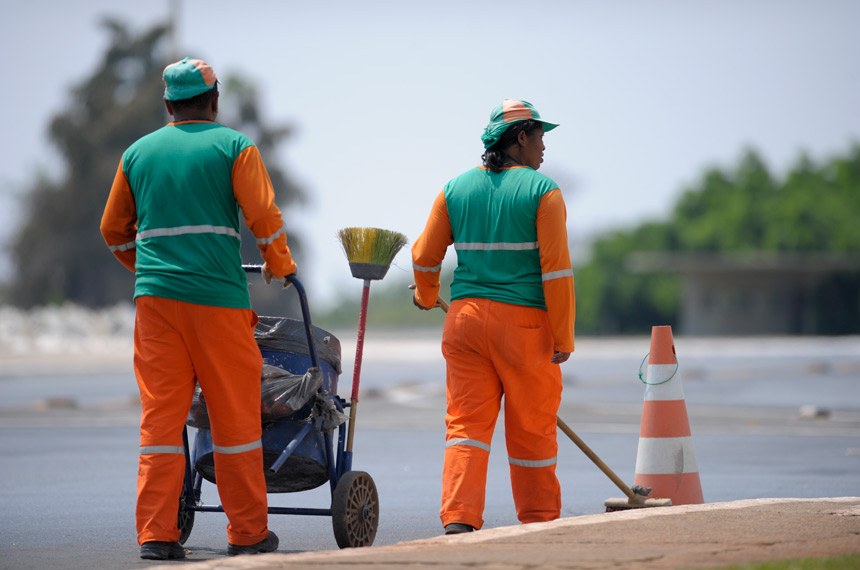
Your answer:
<point x="597" y="461"/>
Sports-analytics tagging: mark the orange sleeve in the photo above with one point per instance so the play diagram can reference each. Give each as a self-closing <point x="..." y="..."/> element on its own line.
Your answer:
<point x="556" y="269"/>
<point x="119" y="220"/>
<point x="253" y="190"/>
<point x="428" y="251"/>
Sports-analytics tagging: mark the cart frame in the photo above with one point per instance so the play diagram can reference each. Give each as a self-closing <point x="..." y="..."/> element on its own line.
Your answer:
<point x="354" y="498"/>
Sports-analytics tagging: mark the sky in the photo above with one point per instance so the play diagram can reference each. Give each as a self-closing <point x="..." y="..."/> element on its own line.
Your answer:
<point x="389" y="98"/>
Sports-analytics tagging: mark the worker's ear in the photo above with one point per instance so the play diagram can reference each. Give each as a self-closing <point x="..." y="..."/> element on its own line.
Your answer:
<point x="169" y="107"/>
<point x="215" y="103"/>
<point x="522" y="137"/>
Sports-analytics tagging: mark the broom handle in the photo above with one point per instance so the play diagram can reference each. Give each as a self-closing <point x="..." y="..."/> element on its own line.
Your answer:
<point x="356" y="373"/>
<point x="597" y="461"/>
<point x="580" y="444"/>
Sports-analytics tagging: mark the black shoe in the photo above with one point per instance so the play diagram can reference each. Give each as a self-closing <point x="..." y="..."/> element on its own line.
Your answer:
<point x="458" y="528"/>
<point x="155" y="550"/>
<point x="268" y="544"/>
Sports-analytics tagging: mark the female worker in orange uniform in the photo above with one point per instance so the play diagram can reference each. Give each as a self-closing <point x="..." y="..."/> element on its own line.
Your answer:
<point x="511" y="319"/>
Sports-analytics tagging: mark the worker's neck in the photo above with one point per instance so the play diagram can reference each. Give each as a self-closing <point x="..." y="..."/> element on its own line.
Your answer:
<point x="181" y="117"/>
<point x="210" y="113"/>
<point x="512" y="158"/>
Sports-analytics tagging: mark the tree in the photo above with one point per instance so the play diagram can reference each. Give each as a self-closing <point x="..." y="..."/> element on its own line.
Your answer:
<point x="741" y="209"/>
<point x="610" y="299"/>
<point x="728" y="211"/>
<point x="58" y="253"/>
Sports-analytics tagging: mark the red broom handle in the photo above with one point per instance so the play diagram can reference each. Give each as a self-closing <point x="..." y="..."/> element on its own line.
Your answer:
<point x="359" y="343"/>
<point x="356" y="373"/>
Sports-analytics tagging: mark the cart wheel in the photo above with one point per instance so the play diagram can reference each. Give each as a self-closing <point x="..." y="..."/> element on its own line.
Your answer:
<point x="355" y="510"/>
<point x="186" y="519"/>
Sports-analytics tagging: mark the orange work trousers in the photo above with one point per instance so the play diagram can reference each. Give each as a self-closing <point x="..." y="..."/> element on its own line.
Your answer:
<point x="492" y="350"/>
<point x="175" y="345"/>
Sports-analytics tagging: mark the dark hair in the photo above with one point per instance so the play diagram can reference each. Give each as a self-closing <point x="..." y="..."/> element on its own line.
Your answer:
<point x="495" y="157"/>
<point x="198" y="102"/>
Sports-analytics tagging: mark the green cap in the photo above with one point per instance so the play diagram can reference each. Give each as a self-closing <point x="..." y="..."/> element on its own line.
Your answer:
<point x="511" y="111"/>
<point x="187" y="78"/>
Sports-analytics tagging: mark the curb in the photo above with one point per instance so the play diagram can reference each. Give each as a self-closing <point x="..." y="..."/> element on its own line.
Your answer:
<point x="367" y="557"/>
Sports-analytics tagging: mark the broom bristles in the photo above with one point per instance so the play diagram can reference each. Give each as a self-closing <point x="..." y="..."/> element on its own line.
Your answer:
<point x="370" y="246"/>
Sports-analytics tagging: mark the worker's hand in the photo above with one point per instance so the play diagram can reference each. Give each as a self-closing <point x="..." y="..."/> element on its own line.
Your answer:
<point x="268" y="276"/>
<point x="559" y="357"/>
<point x="415" y="302"/>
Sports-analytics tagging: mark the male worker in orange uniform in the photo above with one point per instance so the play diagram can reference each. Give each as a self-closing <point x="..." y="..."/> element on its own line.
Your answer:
<point x="173" y="217"/>
<point x="510" y="323"/>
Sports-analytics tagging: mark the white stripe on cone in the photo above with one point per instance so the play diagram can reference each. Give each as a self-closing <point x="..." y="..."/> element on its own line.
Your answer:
<point x="665" y="455"/>
<point x="669" y="389"/>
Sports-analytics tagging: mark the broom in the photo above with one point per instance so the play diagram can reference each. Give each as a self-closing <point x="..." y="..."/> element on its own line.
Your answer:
<point x="637" y="497"/>
<point x="370" y="252"/>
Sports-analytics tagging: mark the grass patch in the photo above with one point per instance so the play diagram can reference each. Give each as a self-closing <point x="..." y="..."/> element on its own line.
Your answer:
<point x="847" y="562"/>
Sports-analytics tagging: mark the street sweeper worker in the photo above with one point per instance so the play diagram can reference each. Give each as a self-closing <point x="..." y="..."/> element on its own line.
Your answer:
<point x="511" y="318"/>
<point x="172" y="217"/>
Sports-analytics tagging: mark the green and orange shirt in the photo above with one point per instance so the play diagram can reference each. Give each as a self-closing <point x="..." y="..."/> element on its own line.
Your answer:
<point x="172" y="215"/>
<point x="509" y="231"/>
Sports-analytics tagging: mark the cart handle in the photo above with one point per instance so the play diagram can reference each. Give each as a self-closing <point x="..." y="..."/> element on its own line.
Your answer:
<point x="303" y="301"/>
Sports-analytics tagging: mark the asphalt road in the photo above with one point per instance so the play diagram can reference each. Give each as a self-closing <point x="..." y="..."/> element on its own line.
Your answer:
<point x="68" y="479"/>
<point x="787" y="425"/>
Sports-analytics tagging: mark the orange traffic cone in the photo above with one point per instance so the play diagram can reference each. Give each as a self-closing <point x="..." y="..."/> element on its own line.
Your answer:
<point x="665" y="460"/>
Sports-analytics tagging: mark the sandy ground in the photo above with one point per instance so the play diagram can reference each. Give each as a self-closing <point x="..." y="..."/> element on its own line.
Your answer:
<point x="693" y="536"/>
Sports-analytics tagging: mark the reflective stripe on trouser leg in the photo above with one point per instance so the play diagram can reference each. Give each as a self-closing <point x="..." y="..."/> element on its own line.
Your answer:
<point x="474" y="395"/>
<point x="165" y="378"/>
<point x="464" y="484"/>
<point x="521" y="348"/>
<point x="159" y="485"/>
<point x="533" y="463"/>
<point x="228" y="365"/>
<point x="537" y="493"/>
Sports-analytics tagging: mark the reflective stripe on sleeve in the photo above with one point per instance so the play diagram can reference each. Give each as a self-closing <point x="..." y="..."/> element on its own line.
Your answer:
<point x="557" y="274"/>
<point x="496" y="246"/>
<point x="233" y="449"/>
<point x="273" y="237"/>
<point x="466" y="441"/>
<point x="162" y="449"/>
<point x="185" y="230"/>
<point x="433" y="269"/>
<point x="124" y="247"/>
<point x="533" y="462"/>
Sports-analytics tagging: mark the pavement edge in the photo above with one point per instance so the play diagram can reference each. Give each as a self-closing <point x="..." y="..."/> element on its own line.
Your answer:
<point x="491" y="534"/>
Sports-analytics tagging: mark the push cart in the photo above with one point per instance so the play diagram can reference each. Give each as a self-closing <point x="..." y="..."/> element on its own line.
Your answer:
<point x="303" y="450"/>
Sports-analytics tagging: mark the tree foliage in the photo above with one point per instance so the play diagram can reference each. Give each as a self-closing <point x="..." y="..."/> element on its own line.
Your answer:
<point x="813" y="210"/>
<point x="611" y="300"/>
<point x="58" y="253"/>
<point x="741" y="209"/>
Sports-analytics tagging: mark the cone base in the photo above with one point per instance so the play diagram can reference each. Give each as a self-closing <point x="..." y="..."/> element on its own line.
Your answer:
<point x="681" y="488"/>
